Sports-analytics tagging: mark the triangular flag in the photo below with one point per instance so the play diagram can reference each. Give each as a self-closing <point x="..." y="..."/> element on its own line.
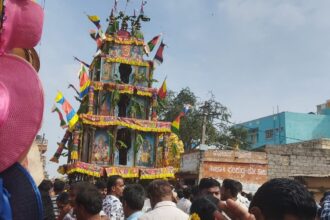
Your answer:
<point x="159" y="54"/>
<point x="84" y="82"/>
<point x="151" y="44"/>
<point x="95" y="19"/>
<point x="162" y="90"/>
<point x="71" y="115"/>
<point x="63" y="123"/>
<point x="175" y="126"/>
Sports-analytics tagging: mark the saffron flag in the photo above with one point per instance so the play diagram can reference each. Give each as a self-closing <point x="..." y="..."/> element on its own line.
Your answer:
<point x="159" y="54"/>
<point x="84" y="82"/>
<point x="95" y="19"/>
<point x="63" y="123"/>
<point x="71" y="115"/>
<point x="162" y="90"/>
<point x="175" y="126"/>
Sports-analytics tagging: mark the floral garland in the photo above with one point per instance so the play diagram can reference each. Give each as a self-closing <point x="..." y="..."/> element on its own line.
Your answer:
<point x="120" y="41"/>
<point x="124" y="88"/>
<point x="135" y="124"/>
<point x="85" y="168"/>
<point x="127" y="61"/>
<point x="194" y="216"/>
<point x="157" y="173"/>
<point x="125" y="172"/>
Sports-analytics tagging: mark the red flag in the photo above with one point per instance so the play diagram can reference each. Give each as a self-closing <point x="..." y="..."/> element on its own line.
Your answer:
<point x="159" y="55"/>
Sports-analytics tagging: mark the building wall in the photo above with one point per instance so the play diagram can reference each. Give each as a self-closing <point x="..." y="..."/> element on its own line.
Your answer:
<point x="306" y="127"/>
<point x="270" y="130"/>
<point x="304" y="158"/>
<point x="288" y="127"/>
<point x="250" y="168"/>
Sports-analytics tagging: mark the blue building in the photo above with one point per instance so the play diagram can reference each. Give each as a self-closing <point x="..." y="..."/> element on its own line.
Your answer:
<point x="289" y="127"/>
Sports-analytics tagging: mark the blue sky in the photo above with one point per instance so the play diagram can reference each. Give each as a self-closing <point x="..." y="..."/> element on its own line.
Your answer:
<point x="253" y="55"/>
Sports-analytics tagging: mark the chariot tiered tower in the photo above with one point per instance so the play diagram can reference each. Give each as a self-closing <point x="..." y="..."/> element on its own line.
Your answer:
<point x="118" y="131"/>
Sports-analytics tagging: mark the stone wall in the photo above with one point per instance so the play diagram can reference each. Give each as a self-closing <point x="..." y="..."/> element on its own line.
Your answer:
<point x="310" y="158"/>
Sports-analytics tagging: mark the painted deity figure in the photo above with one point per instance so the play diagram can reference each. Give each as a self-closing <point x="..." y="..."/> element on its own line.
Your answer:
<point x="106" y="75"/>
<point x="100" y="150"/>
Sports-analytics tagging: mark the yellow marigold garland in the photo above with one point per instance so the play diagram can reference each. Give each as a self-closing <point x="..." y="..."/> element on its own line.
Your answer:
<point x="126" y="61"/>
<point x="194" y="216"/>
<point x="127" y="42"/>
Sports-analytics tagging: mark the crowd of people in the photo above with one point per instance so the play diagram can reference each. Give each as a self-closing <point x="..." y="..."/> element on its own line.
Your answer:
<point x="277" y="199"/>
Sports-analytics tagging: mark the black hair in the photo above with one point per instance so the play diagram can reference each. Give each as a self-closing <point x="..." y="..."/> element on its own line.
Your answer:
<point x="187" y="193"/>
<point x="159" y="188"/>
<point x="90" y="198"/>
<point x="58" y="186"/>
<point x="279" y="197"/>
<point x="206" y="183"/>
<point x="100" y="184"/>
<point x="112" y="181"/>
<point x="63" y="198"/>
<point x="205" y="207"/>
<point x="179" y="193"/>
<point x="232" y="186"/>
<point x="239" y="186"/>
<point x="134" y="196"/>
<point x="45" y="185"/>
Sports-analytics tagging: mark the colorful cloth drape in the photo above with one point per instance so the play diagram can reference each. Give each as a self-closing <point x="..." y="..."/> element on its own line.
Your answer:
<point x="71" y="115"/>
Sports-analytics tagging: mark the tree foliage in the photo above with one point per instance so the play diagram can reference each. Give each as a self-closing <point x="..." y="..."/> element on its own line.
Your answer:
<point x="218" y="128"/>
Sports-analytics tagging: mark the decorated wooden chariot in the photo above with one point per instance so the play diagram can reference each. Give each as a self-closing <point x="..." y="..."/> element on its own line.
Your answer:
<point x="116" y="130"/>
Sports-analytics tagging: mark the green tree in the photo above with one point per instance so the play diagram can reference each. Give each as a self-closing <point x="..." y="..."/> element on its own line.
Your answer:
<point x="211" y="112"/>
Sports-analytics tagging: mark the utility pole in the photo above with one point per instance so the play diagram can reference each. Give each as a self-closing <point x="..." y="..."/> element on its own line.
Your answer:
<point x="204" y="128"/>
<point x="204" y="122"/>
<point x="207" y="112"/>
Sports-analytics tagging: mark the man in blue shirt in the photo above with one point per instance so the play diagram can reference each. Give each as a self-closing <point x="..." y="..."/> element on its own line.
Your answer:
<point x="133" y="201"/>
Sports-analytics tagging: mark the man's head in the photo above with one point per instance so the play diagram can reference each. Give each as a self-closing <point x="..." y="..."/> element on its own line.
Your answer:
<point x="133" y="199"/>
<point x="88" y="202"/>
<point x="206" y="207"/>
<point x="58" y="186"/>
<point x="209" y="186"/>
<point x="159" y="190"/>
<point x="63" y="202"/>
<point x="229" y="189"/>
<point x="74" y="190"/>
<point x="283" y="199"/>
<point x="102" y="187"/>
<point x="179" y="193"/>
<point x="239" y="186"/>
<point x="116" y="186"/>
<point x="187" y="193"/>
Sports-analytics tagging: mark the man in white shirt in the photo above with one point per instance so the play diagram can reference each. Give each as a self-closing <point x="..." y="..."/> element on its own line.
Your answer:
<point x="160" y="192"/>
<point x="111" y="204"/>
<point x="184" y="203"/>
